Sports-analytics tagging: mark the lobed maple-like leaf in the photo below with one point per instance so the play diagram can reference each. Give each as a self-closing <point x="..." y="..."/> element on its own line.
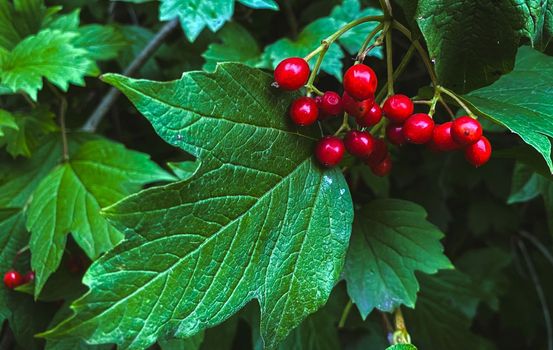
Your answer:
<point x="258" y="220"/>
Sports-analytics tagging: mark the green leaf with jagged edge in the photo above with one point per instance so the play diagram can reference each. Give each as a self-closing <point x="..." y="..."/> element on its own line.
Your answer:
<point x="308" y="40"/>
<point x="49" y="54"/>
<point x="195" y="15"/>
<point x="237" y="45"/>
<point x="351" y="10"/>
<point x="20" y="177"/>
<point x="480" y="39"/>
<point x="70" y="197"/>
<point x="102" y="42"/>
<point x="7" y="121"/>
<point x="444" y="311"/>
<point x="20" y="19"/>
<point x="402" y="347"/>
<point x="258" y="220"/>
<point x="522" y="101"/>
<point x="30" y="129"/>
<point x="391" y="240"/>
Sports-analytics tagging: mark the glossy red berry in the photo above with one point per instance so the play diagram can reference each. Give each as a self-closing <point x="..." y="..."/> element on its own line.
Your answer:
<point x="466" y="130"/>
<point x="379" y="153"/>
<point x="356" y="108"/>
<point x="442" y="140"/>
<point x="359" y="143"/>
<point x="329" y="151"/>
<point x="292" y="73"/>
<point x="331" y="104"/>
<point x="397" y="108"/>
<point x="394" y="134"/>
<point x="304" y="111"/>
<point x="479" y="152"/>
<point x="29" y="277"/>
<point x="384" y="167"/>
<point x="12" y="279"/>
<point x="370" y="117"/>
<point x="360" y="82"/>
<point x="418" y="128"/>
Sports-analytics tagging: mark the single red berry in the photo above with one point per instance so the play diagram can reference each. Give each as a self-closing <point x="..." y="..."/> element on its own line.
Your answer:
<point x="356" y="108"/>
<point x="394" y="134"/>
<point x="379" y="153"/>
<point x="397" y="108"/>
<point x="304" y="111"/>
<point x="360" y="82"/>
<point x="359" y="143"/>
<point x="29" y="277"/>
<point x="442" y="140"/>
<point x="384" y="167"/>
<point x="466" y="130"/>
<point x="329" y="151"/>
<point x="292" y="73"/>
<point x="479" y="152"/>
<point x="371" y="116"/>
<point x="13" y="279"/>
<point x="331" y="103"/>
<point x="418" y="128"/>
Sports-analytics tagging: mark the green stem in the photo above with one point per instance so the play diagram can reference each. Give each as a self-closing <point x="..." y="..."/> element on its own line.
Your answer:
<point x="364" y="50"/>
<point x="433" y="102"/>
<point x="63" y="110"/>
<point x="389" y="63"/>
<point x="332" y="38"/>
<point x="422" y="52"/>
<point x="344" y="126"/>
<point x="457" y="100"/>
<point x="399" y="70"/>
<point x="345" y="314"/>
<point x="315" y="70"/>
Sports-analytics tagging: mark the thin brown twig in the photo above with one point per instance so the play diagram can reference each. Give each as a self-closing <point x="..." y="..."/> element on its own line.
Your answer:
<point x="110" y="98"/>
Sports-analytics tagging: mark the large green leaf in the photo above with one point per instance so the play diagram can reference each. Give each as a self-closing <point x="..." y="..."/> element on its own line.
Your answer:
<point x="522" y="101"/>
<point x="7" y="121"/>
<point x="195" y="15"/>
<point x="391" y="240"/>
<point x="444" y="311"/>
<point x="259" y="219"/>
<point x="473" y="43"/>
<point x="101" y="42"/>
<point x="69" y="199"/>
<point x="49" y="54"/>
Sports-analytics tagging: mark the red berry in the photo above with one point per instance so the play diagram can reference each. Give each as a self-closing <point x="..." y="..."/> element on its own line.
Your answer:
<point x="29" y="277"/>
<point x="360" y="82"/>
<point x="384" y="167"/>
<point x="304" y="111"/>
<point x="356" y="108"/>
<point x="359" y="143"/>
<point x="331" y="103"/>
<point x="466" y="130"/>
<point x="329" y="151"/>
<point x="441" y="138"/>
<point x="292" y="73"/>
<point x="394" y="134"/>
<point x="418" y="128"/>
<point x="397" y="108"/>
<point x="12" y="279"/>
<point x="379" y="153"/>
<point x="479" y="153"/>
<point x="370" y="117"/>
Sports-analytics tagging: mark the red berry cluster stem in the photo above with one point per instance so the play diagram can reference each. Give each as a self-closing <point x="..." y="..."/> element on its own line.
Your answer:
<point x="14" y="279"/>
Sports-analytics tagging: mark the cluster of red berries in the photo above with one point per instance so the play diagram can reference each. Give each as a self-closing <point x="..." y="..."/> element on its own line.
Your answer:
<point x="419" y="128"/>
<point x="360" y="83"/>
<point x="14" y="279"/>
